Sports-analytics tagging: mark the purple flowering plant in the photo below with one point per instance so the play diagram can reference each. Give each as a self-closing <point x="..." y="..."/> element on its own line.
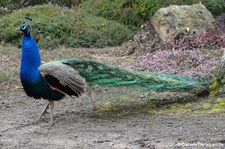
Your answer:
<point x="190" y="55"/>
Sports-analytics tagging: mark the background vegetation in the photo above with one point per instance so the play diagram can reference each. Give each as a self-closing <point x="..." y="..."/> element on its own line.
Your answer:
<point x="88" y="23"/>
<point x="132" y="13"/>
<point x="53" y="26"/>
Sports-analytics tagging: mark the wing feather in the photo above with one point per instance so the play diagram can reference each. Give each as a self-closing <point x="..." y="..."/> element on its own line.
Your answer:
<point x="66" y="76"/>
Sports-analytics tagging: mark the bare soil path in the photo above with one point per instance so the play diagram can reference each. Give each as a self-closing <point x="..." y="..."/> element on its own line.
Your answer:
<point x="78" y="124"/>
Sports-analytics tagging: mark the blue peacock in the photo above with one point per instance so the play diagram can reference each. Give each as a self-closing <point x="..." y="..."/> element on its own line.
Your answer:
<point x="56" y="79"/>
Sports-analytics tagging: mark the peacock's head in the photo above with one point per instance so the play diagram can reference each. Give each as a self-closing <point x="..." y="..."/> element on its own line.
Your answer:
<point x="24" y="27"/>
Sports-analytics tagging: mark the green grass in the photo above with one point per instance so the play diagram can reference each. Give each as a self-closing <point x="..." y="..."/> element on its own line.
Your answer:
<point x="53" y="27"/>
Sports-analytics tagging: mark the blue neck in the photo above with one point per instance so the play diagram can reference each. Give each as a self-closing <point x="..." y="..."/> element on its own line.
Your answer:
<point x="31" y="59"/>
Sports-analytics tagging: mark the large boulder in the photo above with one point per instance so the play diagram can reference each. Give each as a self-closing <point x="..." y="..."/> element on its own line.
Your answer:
<point x="175" y="20"/>
<point x="171" y="23"/>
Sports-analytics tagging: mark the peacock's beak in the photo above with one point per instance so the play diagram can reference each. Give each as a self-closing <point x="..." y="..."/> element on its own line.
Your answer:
<point x="18" y="28"/>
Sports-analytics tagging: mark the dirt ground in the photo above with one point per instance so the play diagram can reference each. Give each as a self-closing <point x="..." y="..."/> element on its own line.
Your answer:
<point x="83" y="123"/>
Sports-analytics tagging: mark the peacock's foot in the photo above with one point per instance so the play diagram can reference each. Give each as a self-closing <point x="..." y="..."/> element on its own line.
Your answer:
<point x="44" y="111"/>
<point x="51" y="106"/>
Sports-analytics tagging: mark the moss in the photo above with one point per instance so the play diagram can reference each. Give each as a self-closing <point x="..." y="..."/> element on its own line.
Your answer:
<point x="103" y="107"/>
<point x="126" y="107"/>
<point x="200" y="108"/>
<point x="218" y="106"/>
<point x="214" y="88"/>
<point x="4" y="77"/>
<point x="123" y="101"/>
<point x="152" y="112"/>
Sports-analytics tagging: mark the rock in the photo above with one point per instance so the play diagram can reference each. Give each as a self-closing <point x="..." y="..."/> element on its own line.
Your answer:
<point x="3" y="11"/>
<point x="168" y="24"/>
<point x="145" y="38"/>
<point x="175" y="20"/>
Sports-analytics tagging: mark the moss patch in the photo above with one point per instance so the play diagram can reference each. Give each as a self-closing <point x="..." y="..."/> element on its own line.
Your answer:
<point x="200" y="108"/>
<point x="171" y="103"/>
<point x="4" y="77"/>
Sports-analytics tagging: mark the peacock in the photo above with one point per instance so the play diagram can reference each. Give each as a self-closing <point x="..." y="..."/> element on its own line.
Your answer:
<point x="55" y="79"/>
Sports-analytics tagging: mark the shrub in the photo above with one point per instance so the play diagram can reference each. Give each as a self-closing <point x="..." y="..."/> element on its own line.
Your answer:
<point x="119" y="10"/>
<point x="54" y="26"/>
<point x="133" y="13"/>
<point x="216" y="7"/>
<point x="220" y="20"/>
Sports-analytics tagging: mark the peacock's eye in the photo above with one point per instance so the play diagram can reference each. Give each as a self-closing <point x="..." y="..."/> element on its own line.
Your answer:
<point x="24" y="27"/>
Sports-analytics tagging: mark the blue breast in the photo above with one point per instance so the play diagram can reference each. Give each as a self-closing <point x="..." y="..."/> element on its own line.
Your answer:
<point x="30" y="60"/>
<point x="33" y="83"/>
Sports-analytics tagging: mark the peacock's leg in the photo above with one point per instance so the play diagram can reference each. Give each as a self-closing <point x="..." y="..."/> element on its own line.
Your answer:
<point x="51" y="104"/>
<point x="44" y="111"/>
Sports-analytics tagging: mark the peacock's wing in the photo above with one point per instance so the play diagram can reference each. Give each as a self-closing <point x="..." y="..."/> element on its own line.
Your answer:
<point x="63" y="78"/>
<point x="98" y="73"/>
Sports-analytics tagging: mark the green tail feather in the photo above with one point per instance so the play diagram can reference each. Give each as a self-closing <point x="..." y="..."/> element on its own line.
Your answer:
<point x="101" y="74"/>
